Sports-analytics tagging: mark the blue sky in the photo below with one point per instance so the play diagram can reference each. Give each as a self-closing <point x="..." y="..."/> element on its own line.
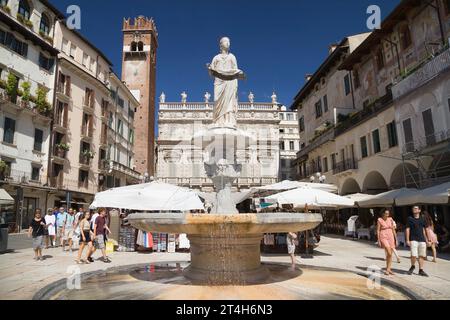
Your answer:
<point x="276" y="42"/>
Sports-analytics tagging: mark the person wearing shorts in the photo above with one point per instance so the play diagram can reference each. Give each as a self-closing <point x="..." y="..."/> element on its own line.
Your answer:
<point x="290" y="240"/>
<point x="68" y="229"/>
<point x="416" y="239"/>
<point x="60" y="218"/>
<point x="36" y="231"/>
<point x="100" y="228"/>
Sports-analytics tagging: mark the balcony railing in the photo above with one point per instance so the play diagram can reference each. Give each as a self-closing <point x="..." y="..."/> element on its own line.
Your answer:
<point x="19" y="177"/>
<point x="349" y="164"/>
<point x="324" y="137"/>
<point x="86" y="131"/>
<point x="373" y="108"/>
<point x="57" y="182"/>
<point x="63" y="88"/>
<point x="60" y="120"/>
<point x="85" y="160"/>
<point x="425" y="142"/>
<point x="19" y="103"/>
<point x="89" y="101"/>
<point x="116" y="166"/>
<point x="422" y="74"/>
<point x="209" y="106"/>
<point x="60" y="153"/>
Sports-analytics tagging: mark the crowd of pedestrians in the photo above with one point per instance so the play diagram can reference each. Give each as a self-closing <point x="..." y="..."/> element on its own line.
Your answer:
<point x="60" y="228"/>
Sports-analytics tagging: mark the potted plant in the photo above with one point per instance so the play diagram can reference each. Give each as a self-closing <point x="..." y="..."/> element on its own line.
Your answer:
<point x="6" y="9"/>
<point x="26" y="94"/>
<point x="11" y="88"/>
<point x="42" y="105"/>
<point x="24" y="21"/>
<point x="88" y="154"/>
<point x="45" y="36"/>
<point x="62" y="148"/>
<point x="3" y="169"/>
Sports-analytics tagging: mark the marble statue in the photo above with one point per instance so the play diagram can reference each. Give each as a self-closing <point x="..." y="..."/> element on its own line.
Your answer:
<point x="251" y="97"/>
<point x="207" y="97"/>
<point x="274" y="98"/>
<point x="162" y="98"/>
<point x="183" y="97"/>
<point x="224" y="69"/>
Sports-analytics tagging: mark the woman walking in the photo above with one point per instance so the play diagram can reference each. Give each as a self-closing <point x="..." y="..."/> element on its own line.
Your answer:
<point x="290" y="239"/>
<point x="387" y="238"/>
<point x="432" y="237"/>
<point x="50" y="221"/>
<point x="85" y="236"/>
<point x="36" y="231"/>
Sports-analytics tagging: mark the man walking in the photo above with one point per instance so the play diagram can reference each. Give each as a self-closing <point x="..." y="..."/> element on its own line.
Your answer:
<point x="60" y="218"/>
<point x="68" y="228"/>
<point x="100" y="229"/>
<point x="416" y="239"/>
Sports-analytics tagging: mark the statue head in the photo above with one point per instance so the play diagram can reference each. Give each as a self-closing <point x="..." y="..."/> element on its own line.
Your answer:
<point x="225" y="43"/>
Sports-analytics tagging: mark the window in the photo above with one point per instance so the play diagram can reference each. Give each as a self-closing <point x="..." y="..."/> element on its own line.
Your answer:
<point x="120" y="127"/>
<point x="131" y="136"/>
<point x="356" y="79"/>
<point x="318" y="109"/>
<point x="9" y="130"/>
<point x="447" y="6"/>
<point x="325" y="164"/>
<point x="376" y="141"/>
<point x="3" y="3"/>
<point x="38" y="138"/>
<point x="44" y="26"/>
<point x="65" y="46"/>
<point x="409" y="138"/>
<point x="133" y="46"/>
<point x="430" y="135"/>
<point x="380" y="59"/>
<point x="291" y="145"/>
<point x="8" y="40"/>
<point x="281" y="130"/>
<point x="73" y="50"/>
<point x="392" y="134"/>
<point x="289" y="117"/>
<point x="35" y="173"/>
<point x="24" y="9"/>
<point x="319" y="164"/>
<point x="405" y="37"/>
<point x="301" y="124"/>
<point x="347" y="85"/>
<point x="364" y="152"/>
<point x="325" y="103"/>
<point x="121" y="102"/>
<point x="83" y="176"/>
<point x="111" y="120"/>
<point x="85" y="59"/>
<point x="140" y="46"/>
<point x="46" y="63"/>
<point x="282" y="146"/>
<point x="333" y="161"/>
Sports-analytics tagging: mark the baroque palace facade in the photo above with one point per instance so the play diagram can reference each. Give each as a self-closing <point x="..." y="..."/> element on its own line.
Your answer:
<point x="180" y="162"/>
<point x="66" y="120"/>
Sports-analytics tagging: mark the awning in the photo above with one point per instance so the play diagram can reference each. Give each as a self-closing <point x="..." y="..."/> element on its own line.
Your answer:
<point x="152" y="196"/>
<point x="289" y="185"/>
<point x="439" y="194"/>
<point x="5" y="198"/>
<point x="313" y="198"/>
<point x="386" y="199"/>
<point x="358" y="196"/>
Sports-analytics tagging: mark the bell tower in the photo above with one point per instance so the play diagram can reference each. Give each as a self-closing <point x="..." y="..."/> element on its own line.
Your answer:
<point x="140" y="41"/>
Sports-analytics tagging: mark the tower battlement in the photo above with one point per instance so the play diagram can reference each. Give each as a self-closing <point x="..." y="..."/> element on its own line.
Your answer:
<point x="139" y="23"/>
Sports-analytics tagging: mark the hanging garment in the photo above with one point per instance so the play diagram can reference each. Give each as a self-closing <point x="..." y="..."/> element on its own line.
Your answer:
<point x="183" y="241"/>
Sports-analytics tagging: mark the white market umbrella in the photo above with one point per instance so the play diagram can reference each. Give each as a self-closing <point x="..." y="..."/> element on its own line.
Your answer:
<point x="316" y="198"/>
<point x="289" y="185"/>
<point x="149" y="197"/>
<point x="358" y="196"/>
<point x="439" y="194"/>
<point x="386" y="199"/>
<point x="5" y="198"/>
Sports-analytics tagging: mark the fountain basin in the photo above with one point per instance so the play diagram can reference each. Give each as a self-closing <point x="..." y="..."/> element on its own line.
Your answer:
<point x="225" y="249"/>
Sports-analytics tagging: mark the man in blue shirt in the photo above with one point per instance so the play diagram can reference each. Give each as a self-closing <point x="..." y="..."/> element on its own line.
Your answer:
<point x="60" y="218"/>
<point x="417" y="240"/>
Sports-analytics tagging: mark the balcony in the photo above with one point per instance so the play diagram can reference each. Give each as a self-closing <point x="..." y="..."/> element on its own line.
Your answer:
<point x="60" y="123"/>
<point x="118" y="167"/>
<point x="85" y="160"/>
<point x="369" y="111"/>
<point x="427" y="144"/>
<point x="345" y="166"/>
<point x="59" y="155"/>
<point x="17" y="103"/>
<point x="421" y="74"/>
<point x="316" y="142"/>
<point x="19" y="177"/>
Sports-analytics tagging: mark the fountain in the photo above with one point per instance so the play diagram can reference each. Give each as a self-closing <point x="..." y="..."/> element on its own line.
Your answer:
<point x="225" y="245"/>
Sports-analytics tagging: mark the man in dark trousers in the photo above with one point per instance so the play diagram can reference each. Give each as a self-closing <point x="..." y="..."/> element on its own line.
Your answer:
<point x="416" y="239"/>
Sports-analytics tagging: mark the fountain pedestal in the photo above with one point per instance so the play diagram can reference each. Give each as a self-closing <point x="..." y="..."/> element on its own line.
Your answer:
<point x="225" y="249"/>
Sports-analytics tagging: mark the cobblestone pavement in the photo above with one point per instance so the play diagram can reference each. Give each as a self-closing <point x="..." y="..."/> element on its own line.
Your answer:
<point x="21" y="277"/>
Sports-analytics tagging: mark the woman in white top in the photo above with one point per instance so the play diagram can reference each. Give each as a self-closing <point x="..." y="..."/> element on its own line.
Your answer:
<point x="50" y="221"/>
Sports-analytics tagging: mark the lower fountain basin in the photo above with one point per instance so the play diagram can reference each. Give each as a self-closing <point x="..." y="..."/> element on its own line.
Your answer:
<point x="225" y="249"/>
